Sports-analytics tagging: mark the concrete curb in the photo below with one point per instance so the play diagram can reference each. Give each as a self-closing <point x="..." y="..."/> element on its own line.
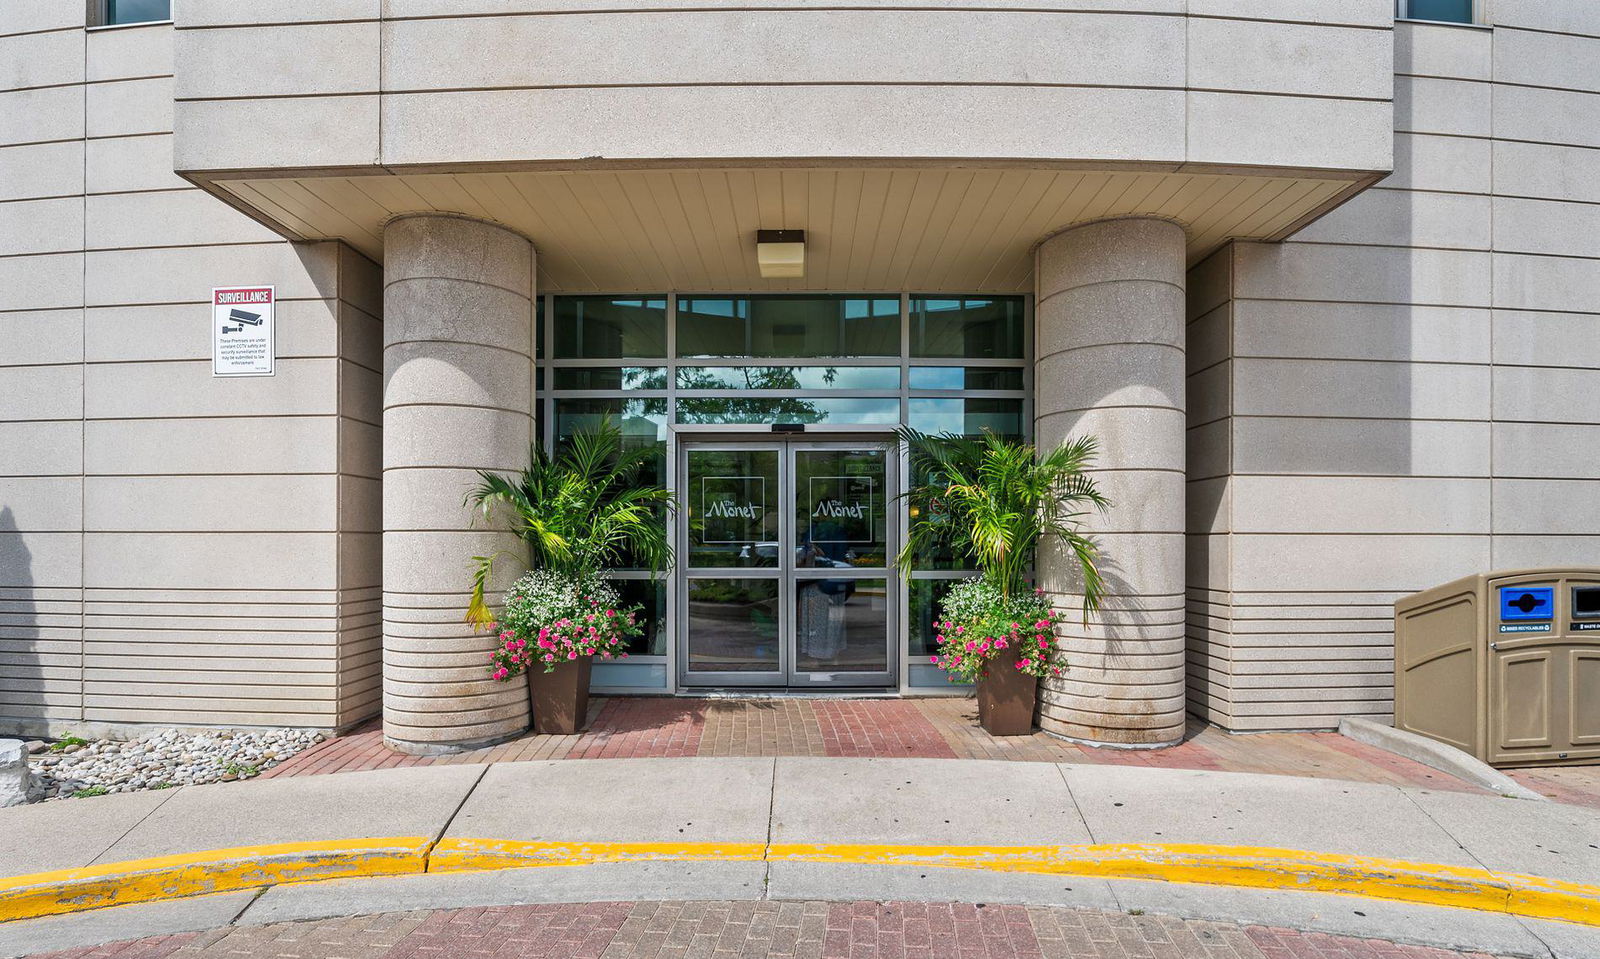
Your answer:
<point x="1433" y="753"/>
<point x="248" y="867"/>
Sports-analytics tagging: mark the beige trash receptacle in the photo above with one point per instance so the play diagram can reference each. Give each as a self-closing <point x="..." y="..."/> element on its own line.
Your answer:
<point x="1504" y="665"/>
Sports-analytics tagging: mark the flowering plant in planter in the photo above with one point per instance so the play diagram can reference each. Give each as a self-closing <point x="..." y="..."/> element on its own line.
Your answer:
<point x="551" y="618"/>
<point x="983" y="627"/>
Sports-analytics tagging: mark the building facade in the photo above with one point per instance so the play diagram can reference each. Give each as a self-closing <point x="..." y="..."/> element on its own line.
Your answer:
<point x="1323" y="278"/>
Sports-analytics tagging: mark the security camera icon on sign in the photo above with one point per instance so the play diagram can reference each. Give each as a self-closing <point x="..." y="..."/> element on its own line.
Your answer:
<point x="242" y="318"/>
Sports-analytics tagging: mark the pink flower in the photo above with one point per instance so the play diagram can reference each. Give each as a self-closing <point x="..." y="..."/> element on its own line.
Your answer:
<point x="1043" y="644"/>
<point x="501" y="673"/>
<point x="506" y="634"/>
<point x="572" y="655"/>
<point x="611" y="613"/>
<point x="544" y="632"/>
<point x="510" y="645"/>
<point x="934" y="660"/>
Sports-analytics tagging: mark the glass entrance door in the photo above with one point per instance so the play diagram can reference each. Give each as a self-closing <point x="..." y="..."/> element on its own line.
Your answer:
<point x="785" y="572"/>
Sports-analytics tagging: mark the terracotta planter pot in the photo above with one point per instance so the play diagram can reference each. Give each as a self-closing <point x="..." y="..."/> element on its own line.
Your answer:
<point x="560" y="698"/>
<point x="1006" y="697"/>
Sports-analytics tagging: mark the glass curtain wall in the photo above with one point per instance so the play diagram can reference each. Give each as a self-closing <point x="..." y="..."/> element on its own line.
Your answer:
<point x="668" y="364"/>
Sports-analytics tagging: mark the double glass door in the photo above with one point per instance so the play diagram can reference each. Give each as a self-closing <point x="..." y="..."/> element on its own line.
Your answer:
<point x="785" y="574"/>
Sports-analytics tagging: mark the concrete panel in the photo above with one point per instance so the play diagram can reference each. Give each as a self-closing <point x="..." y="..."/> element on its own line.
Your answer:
<point x="1368" y="13"/>
<point x="1392" y="447"/>
<point x="294" y="60"/>
<point x="128" y="107"/>
<point x="1511" y="552"/>
<point x="218" y="13"/>
<point x="1292" y="329"/>
<point x="41" y="170"/>
<point x="917" y="801"/>
<point x="449" y="311"/>
<point x="1296" y="271"/>
<point x="130" y="52"/>
<point x="244" y="561"/>
<point x="817" y="121"/>
<point x="1546" y="450"/>
<point x="40" y="59"/>
<point x="392" y="802"/>
<point x="44" y="504"/>
<point x="306" y="328"/>
<point x="127" y="164"/>
<point x="1406" y="218"/>
<point x="1546" y="339"/>
<point x="1547" y="116"/>
<point x="210" y="504"/>
<point x="1450" y="107"/>
<point x="245" y="445"/>
<point x="1546" y="507"/>
<point x="131" y="390"/>
<point x="1299" y="562"/>
<point x="41" y="282"/>
<point x="28" y="16"/>
<point x="286" y="131"/>
<point x="42" y="392"/>
<point x="1292" y="131"/>
<point x="41" y="226"/>
<point x="1559" y="16"/>
<point x="677" y="809"/>
<point x="1538" y="59"/>
<point x="33" y="116"/>
<point x="1546" y="283"/>
<point x="1545" y="226"/>
<point x="1548" y="171"/>
<point x="36" y="560"/>
<point x="78" y="837"/>
<point x="1309" y="59"/>
<point x="189" y="218"/>
<point x="954" y="46"/>
<point x="41" y="449"/>
<point x="299" y="271"/>
<point x="1563" y="839"/>
<point x="52" y="336"/>
<point x="1438" y="50"/>
<point x="1350" y="504"/>
<point x="1360" y="389"/>
<point x="1425" y="161"/>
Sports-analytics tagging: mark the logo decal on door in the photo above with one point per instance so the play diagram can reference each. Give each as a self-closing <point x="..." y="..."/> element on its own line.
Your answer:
<point x="842" y="509"/>
<point x="732" y="508"/>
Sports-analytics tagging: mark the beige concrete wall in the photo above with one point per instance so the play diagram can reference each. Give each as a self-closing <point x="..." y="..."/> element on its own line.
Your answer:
<point x="398" y="83"/>
<point x="174" y="548"/>
<point x="1404" y="391"/>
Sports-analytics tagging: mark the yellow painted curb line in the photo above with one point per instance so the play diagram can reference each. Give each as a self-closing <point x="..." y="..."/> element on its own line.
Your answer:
<point x="202" y="873"/>
<point x="222" y="870"/>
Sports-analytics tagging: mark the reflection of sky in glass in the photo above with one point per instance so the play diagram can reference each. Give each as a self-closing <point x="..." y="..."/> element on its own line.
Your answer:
<point x="638" y="419"/>
<point x="869" y="411"/>
<point x="610" y="378"/>
<point x="966" y="417"/>
<point x="965" y="378"/>
<point x="788" y="378"/>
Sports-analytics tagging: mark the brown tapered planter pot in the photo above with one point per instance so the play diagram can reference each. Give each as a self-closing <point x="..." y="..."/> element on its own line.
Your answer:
<point x="1006" y="697"/>
<point x="561" y="697"/>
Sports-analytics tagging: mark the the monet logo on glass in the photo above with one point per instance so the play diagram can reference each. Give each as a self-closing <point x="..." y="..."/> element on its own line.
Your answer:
<point x="842" y="509"/>
<point x="732" y="508"/>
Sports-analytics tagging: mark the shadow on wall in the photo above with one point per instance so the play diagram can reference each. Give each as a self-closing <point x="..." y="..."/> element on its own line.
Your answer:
<point x="21" y="671"/>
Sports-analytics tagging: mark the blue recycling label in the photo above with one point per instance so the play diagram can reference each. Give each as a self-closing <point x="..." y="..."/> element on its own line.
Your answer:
<point x="1522" y="603"/>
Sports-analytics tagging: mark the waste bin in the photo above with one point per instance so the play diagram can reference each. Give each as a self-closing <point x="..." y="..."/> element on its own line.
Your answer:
<point x="1504" y="665"/>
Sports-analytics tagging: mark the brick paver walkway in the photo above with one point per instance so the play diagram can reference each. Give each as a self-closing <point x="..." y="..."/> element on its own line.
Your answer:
<point x="752" y="930"/>
<point x="945" y="728"/>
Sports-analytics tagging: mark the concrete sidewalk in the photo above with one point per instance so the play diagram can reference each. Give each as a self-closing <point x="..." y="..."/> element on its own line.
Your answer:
<point x="1219" y="845"/>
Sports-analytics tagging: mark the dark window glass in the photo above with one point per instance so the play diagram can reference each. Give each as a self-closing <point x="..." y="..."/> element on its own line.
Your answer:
<point x="652" y="595"/>
<point x="967" y="417"/>
<point x="788" y="326"/>
<point x="538" y="327"/>
<point x="968" y="327"/>
<point x="606" y="327"/>
<point x="965" y="378"/>
<point x="1446" y="11"/>
<point x="926" y="595"/>
<point x="764" y="410"/>
<point x="610" y="378"/>
<point x="788" y="378"/>
<point x="137" y="11"/>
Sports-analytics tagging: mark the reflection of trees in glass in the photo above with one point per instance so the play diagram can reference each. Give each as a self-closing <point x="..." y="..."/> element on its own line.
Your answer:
<point x="749" y="409"/>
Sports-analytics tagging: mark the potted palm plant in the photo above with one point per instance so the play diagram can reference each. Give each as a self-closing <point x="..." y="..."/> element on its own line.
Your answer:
<point x="580" y="511"/>
<point x="991" y="500"/>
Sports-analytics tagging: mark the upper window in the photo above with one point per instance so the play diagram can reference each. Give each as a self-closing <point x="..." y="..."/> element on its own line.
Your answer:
<point x="1443" y="11"/>
<point x="113" y="12"/>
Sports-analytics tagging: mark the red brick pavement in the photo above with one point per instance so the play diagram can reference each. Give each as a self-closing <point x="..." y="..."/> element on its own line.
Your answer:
<point x="635" y="727"/>
<point x="757" y="930"/>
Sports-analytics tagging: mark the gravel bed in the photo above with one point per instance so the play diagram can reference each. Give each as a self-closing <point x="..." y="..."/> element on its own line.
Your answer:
<point x="159" y="759"/>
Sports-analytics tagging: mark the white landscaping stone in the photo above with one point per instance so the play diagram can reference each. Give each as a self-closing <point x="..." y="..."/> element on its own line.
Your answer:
<point x="15" y="777"/>
<point x="163" y="758"/>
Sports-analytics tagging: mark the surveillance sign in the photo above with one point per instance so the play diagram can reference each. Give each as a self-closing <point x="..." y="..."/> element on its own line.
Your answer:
<point x="243" y="330"/>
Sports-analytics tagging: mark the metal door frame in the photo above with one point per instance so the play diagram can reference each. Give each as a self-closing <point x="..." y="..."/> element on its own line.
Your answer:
<point x="785" y="573"/>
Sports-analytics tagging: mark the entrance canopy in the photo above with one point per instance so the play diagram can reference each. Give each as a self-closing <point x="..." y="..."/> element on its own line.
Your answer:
<point x="950" y="228"/>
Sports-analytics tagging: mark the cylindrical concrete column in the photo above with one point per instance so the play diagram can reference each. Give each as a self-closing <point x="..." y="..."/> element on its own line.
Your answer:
<point x="1109" y="315"/>
<point x="457" y="396"/>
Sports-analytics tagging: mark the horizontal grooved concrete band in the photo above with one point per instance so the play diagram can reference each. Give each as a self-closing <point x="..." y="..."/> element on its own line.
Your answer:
<point x="1252" y="867"/>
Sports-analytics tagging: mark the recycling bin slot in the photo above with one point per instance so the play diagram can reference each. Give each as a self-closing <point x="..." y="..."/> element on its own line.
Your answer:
<point x="1586" y="602"/>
